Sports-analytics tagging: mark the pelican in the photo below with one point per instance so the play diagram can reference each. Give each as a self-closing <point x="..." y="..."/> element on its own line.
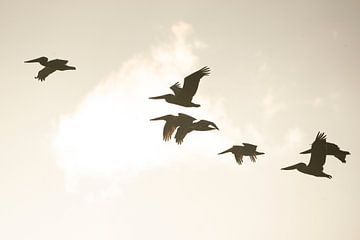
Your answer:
<point x="201" y="125"/>
<point x="246" y="150"/>
<point x="317" y="160"/>
<point x="172" y="122"/>
<point x="50" y="66"/>
<point x="183" y="96"/>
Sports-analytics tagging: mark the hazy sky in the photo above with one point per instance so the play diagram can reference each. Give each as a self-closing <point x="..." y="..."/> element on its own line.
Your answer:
<point x="79" y="158"/>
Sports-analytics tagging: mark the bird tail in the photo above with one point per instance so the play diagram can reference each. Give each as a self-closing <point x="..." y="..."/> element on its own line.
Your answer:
<point x="71" y="68"/>
<point x="341" y="155"/>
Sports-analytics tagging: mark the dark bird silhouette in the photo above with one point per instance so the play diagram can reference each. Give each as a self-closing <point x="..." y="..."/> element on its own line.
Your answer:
<point x="50" y="66"/>
<point x="318" y="157"/>
<point x="172" y="122"/>
<point x="184" y="129"/>
<point x="183" y="96"/>
<point x="184" y="124"/>
<point x="246" y="150"/>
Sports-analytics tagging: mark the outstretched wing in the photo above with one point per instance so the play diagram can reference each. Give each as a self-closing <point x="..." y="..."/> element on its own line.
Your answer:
<point x="318" y="153"/>
<point x="250" y="146"/>
<point x="191" y="83"/>
<point x="181" y="133"/>
<point x="43" y="73"/>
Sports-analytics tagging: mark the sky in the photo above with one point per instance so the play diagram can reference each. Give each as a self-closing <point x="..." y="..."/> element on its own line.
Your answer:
<point x="79" y="158"/>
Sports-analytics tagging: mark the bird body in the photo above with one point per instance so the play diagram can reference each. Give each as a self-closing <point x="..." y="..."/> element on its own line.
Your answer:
<point x="50" y="66"/>
<point x="183" y="96"/>
<point x="246" y="150"/>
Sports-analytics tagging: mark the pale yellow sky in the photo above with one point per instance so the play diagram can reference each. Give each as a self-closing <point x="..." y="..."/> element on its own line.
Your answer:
<point x="80" y="160"/>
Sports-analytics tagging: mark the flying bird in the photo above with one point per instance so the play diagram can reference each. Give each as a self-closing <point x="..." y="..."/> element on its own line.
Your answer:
<point x="246" y="150"/>
<point x="318" y="157"/>
<point x="183" y="96"/>
<point x="184" y="125"/>
<point x="201" y="125"/>
<point x="50" y="66"/>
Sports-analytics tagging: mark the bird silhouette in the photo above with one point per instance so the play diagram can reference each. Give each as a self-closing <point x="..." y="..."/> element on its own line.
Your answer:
<point x="183" y="96"/>
<point x="246" y="150"/>
<point x="50" y="66"/>
<point x="184" y="124"/>
<point x="318" y="158"/>
<point x="172" y="122"/>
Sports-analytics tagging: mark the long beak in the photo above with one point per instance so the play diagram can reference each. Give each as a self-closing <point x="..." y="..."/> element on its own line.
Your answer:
<point x="305" y="152"/>
<point x="31" y="61"/>
<point x="158" y="97"/>
<point x="226" y="151"/>
<point x="290" y="167"/>
<point x="259" y="153"/>
<point x="158" y="118"/>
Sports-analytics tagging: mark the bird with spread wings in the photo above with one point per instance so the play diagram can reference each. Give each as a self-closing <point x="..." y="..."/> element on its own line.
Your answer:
<point x="50" y="66"/>
<point x="183" y="96"/>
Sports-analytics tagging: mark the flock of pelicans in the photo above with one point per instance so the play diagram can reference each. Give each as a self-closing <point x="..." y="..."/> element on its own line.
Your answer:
<point x="184" y="124"/>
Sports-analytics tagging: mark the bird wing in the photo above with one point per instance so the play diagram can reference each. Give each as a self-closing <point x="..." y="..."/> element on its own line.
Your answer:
<point x="176" y="88"/>
<point x="238" y="158"/>
<point x="43" y="73"/>
<point x="181" y="133"/>
<point x="191" y="83"/>
<point x="250" y="146"/>
<point x="169" y="129"/>
<point x="318" y="153"/>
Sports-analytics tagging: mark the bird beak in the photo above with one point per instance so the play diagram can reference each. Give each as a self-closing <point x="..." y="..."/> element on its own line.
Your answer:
<point x="30" y="61"/>
<point x="158" y="97"/>
<point x="305" y="152"/>
<point x="154" y="119"/>
<point x="290" y="167"/>
<point x="226" y="151"/>
<point x="259" y="153"/>
<point x="33" y="60"/>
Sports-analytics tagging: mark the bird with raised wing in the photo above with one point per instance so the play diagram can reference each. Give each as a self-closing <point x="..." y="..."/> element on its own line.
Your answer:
<point x="183" y="96"/>
<point x="317" y="160"/>
<point x="245" y="150"/>
<point x="50" y="66"/>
